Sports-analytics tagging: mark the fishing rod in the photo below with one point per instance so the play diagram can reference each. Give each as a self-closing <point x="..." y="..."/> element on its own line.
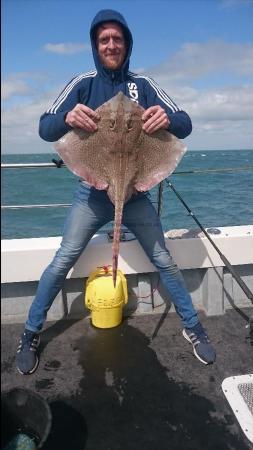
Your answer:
<point x="241" y="283"/>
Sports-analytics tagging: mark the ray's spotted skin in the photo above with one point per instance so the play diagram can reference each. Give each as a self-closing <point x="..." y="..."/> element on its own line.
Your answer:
<point x="120" y="156"/>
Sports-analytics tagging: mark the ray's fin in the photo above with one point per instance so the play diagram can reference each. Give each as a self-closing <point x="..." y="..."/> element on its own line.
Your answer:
<point x="159" y="154"/>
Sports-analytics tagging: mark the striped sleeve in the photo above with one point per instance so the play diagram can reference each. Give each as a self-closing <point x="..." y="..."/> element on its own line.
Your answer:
<point x="67" y="91"/>
<point x="151" y="94"/>
<point x="161" y="94"/>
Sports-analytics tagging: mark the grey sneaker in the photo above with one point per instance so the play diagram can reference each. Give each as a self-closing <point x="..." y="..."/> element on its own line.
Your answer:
<point x="202" y="347"/>
<point x="27" y="359"/>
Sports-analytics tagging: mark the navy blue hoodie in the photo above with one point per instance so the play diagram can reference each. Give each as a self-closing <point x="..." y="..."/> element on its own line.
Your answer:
<point x="97" y="86"/>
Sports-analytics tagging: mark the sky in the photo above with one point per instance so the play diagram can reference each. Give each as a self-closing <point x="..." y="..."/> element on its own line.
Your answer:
<point x="199" y="51"/>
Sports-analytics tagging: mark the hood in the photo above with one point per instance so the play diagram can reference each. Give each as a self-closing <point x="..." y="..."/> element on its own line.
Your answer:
<point x="109" y="15"/>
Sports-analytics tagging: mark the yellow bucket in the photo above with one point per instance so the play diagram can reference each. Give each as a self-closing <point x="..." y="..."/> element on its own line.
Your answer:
<point x="103" y="299"/>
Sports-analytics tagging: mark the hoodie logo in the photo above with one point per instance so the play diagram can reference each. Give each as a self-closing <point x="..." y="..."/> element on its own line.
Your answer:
<point x="133" y="92"/>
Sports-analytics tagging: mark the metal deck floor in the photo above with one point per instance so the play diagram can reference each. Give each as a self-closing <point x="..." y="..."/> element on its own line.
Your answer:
<point x="119" y="389"/>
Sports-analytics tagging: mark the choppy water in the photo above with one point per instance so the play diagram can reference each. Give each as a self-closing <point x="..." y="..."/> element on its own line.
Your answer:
<point x="217" y="199"/>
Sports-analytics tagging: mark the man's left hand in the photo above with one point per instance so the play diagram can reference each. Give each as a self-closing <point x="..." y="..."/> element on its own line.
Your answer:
<point x="155" y="118"/>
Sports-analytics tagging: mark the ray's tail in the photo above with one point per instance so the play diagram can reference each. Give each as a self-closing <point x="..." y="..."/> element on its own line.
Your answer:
<point x="116" y="237"/>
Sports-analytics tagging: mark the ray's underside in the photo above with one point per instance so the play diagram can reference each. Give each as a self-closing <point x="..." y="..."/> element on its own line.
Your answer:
<point x="120" y="157"/>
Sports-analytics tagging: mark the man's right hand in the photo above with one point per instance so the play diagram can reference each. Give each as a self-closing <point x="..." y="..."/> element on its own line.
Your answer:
<point x="83" y="117"/>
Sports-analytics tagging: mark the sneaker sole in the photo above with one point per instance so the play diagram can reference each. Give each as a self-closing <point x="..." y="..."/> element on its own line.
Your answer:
<point x="194" y="350"/>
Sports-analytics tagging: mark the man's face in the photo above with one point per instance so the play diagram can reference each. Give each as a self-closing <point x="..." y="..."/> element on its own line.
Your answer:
<point x="111" y="45"/>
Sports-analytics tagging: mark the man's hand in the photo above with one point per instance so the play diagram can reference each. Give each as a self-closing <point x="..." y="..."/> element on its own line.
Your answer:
<point x="155" y="118"/>
<point x="82" y="117"/>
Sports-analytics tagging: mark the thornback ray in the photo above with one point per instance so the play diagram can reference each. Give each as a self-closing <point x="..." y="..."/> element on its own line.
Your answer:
<point x="120" y="157"/>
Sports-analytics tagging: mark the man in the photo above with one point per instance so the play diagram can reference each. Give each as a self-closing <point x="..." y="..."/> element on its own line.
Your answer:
<point x="75" y="107"/>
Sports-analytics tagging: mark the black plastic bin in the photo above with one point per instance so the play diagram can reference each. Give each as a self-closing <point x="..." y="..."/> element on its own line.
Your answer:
<point x="24" y="411"/>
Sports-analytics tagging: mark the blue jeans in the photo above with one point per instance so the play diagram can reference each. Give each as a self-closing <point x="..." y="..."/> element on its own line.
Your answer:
<point x="91" y="209"/>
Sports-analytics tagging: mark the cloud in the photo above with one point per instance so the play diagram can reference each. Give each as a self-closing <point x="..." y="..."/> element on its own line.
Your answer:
<point x="221" y="110"/>
<point x="20" y="124"/>
<point x="21" y="84"/>
<point x="222" y="118"/>
<point x="67" y="48"/>
<point x="218" y="107"/>
<point x="231" y="103"/>
<point x="197" y="60"/>
<point x="24" y="119"/>
<point x="13" y="87"/>
<point x="235" y="3"/>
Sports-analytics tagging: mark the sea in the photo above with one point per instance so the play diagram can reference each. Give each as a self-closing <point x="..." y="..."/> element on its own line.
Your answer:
<point x="217" y="199"/>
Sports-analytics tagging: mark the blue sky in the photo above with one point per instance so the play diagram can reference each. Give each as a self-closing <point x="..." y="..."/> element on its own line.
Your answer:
<point x="199" y="51"/>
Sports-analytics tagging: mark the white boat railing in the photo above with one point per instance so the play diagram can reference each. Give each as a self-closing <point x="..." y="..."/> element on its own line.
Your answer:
<point x="59" y="163"/>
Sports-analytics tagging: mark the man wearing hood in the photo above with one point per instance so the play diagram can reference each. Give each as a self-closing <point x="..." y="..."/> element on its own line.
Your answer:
<point x="75" y="107"/>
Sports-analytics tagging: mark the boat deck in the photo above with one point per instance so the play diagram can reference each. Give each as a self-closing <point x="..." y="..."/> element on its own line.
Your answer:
<point x="137" y="386"/>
